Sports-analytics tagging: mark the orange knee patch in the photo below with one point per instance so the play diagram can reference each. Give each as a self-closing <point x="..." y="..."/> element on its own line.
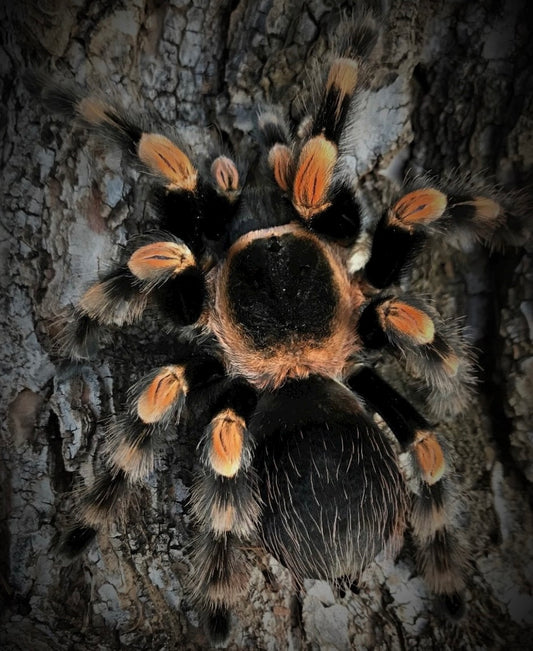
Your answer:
<point x="162" y="393"/>
<point x="419" y="207"/>
<point x="227" y="438"/>
<point x="429" y="456"/>
<point x="226" y="175"/>
<point x="160" y="258"/>
<point x="162" y="156"/>
<point x="407" y="320"/>
<point x="281" y="162"/>
<point x="313" y="176"/>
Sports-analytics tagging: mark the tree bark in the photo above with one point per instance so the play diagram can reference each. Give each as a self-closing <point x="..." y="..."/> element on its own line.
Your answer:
<point x="453" y="89"/>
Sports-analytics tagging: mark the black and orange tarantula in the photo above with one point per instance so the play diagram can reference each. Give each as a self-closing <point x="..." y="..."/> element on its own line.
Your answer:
<point x="270" y="312"/>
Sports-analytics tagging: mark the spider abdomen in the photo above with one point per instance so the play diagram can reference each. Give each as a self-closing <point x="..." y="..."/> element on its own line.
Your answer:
<point x="332" y="490"/>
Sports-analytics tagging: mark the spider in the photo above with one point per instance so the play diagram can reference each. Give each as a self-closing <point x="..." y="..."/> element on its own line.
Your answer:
<point x="272" y="314"/>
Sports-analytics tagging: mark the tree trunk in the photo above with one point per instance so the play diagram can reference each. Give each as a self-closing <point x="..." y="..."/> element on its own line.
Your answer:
<point x="453" y="89"/>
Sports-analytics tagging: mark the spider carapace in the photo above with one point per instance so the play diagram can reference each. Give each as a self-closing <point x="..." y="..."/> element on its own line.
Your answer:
<point x="270" y="323"/>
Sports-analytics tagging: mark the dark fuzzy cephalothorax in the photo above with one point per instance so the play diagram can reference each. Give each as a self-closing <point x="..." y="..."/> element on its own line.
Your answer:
<point x="268" y="325"/>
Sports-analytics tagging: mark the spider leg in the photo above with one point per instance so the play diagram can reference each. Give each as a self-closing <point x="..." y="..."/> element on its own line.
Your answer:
<point x="189" y="204"/>
<point x="277" y="142"/>
<point x="463" y="216"/>
<point x="163" y="273"/>
<point x="311" y="175"/>
<point x="155" y="404"/>
<point x="441" y="553"/>
<point x="225" y="505"/>
<point x="431" y="348"/>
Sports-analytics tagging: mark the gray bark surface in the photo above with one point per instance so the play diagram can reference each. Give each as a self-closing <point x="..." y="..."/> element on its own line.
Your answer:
<point x="453" y="89"/>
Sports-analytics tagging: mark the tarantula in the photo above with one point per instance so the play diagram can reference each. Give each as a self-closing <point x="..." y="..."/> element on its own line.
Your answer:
<point x="269" y="318"/>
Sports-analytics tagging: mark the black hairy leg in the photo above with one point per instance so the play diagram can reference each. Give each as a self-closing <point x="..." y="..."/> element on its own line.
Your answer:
<point x="308" y="172"/>
<point x="155" y="404"/>
<point x="442" y="556"/>
<point x="462" y="212"/>
<point x="160" y="273"/>
<point x="224" y="502"/>
<point x="191" y="205"/>
<point x="431" y="349"/>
